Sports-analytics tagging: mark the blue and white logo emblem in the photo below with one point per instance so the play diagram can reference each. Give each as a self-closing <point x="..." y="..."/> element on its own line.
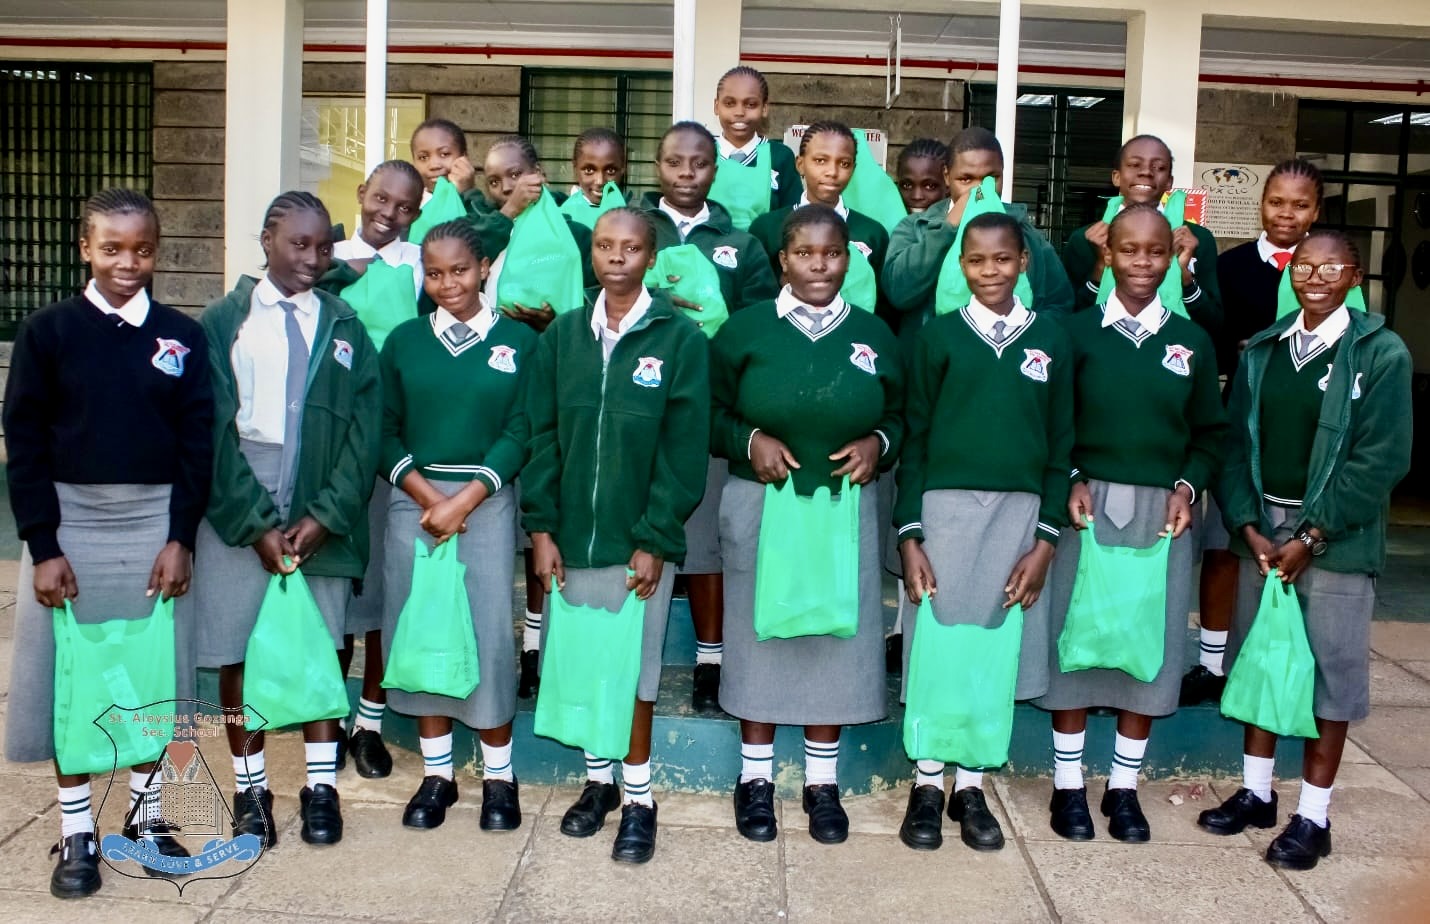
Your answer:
<point x="647" y="373"/>
<point x="503" y="359"/>
<point x="343" y="353"/>
<point x="169" y="358"/>
<point x="863" y="357"/>
<point x="725" y="256"/>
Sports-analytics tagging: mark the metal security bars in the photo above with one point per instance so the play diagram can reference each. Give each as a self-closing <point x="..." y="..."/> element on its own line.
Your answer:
<point x="69" y="130"/>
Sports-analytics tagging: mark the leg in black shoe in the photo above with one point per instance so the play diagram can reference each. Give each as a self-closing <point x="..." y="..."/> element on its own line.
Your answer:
<point x="1301" y="845"/>
<point x="253" y="814"/>
<point x="1125" y="820"/>
<point x="318" y="801"/>
<point x="976" y="825"/>
<point x="529" y="680"/>
<point x="1070" y="815"/>
<point x="755" y="810"/>
<point x="428" y="806"/>
<point x="1243" y="810"/>
<point x="828" y="822"/>
<point x="635" y="841"/>
<point x="501" y="807"/>
<point x="588" y="814"/>
<point x="707" y="612"/>
<point x="370" y="756"/>
<point x="923" y="818"/>
<point x="76" y="871"/>
<point x="1308" y="836"/>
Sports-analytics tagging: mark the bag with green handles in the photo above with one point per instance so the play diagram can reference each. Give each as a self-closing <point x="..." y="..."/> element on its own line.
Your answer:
<point x="383" y="298"/>
<point x="1272" y="683"/>
<point x="743" y="190"/>
<point x="291" y="673"/>
<point x="953" y="292"/>
<point x="445" y="205"/>
<point x="871" y="191"/>
<point x="697" y="281"/>
<point x="542" y="264"/>
<point x="861" y="287"/>
<point x="580" y="210"/>
<point x="434" y="648"/>
<point x="1117" y="619"/>
<point x="1169" y="293"/>
<point x="807" y="563"/>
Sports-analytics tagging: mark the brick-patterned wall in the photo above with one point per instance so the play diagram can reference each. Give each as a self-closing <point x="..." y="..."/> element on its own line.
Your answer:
<point x="1245" y="126"/>
<point x="925" y="108"/>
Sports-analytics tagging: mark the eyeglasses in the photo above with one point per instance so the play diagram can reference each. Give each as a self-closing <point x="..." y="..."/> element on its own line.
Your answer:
<point x="1329" y="272"/>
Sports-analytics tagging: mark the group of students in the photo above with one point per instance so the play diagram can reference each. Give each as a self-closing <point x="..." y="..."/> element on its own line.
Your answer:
<point x="303" y="423"/>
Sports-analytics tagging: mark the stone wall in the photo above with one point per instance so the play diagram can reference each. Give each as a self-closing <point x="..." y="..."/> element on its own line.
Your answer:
<point x="1246" y="126"/>
<point x="925" y="108"/>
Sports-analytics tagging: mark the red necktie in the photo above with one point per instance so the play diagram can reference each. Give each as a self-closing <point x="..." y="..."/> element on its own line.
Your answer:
<point x="1281" y="259"/>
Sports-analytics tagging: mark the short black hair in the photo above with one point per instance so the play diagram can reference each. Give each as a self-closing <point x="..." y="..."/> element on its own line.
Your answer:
<point x="647" y="226"/>
<point x="694" y="128"/>
<point x="807" y="216"/>
<point x="973" y="138"/>
<point x="1122" y="151"/>
<point x="597" y="134"/>
<point x="116" y="201"/>
<point x="459" y="137"/>
<point x="995" y="221"/>
<point x="457" y="230"/>
<point x="1339" y="237"/>
<point x="408" y="171"/>
<point x="1136" y="208"/>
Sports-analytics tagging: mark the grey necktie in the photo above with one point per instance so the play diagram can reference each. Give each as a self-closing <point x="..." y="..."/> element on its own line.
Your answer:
<point x="458" y="334"/>
<point x="817" y="319"/>
<point x="1000" y="331"/>
<point x="1305" y="343"/>
<point x="1120" y="504"/>
<point x="297" y="384"/>
<point x="1131" y="325"/>
<point x="744" y="157"/>
<point x="684" y="227"/>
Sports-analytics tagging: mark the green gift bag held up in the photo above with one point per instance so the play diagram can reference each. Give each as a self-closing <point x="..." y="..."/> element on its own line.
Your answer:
<point x="590" y="669"/>
<point x="445" y="205"/>
<point x="697" y="282"/>
<point x="383" y="298"/>
<point x="1286" y="297"/>
<point x="579" y="209"/>
<point x="1117" y="619"/>
<point x="861" y="288"/>
<point x="127" y="663"/>
<point x="541" y="264"/>
<point x="871" y="191"/>
<point x="953" y="292"/>
<point x="743" y="190"/>
<point x="291" y="673"/>
<point x="1169" y="293"/>
<point x="807" y="563"/>
<point x="1272" y="684"/>
<point x="434" y="648"/>
<point x="959" y="704"/>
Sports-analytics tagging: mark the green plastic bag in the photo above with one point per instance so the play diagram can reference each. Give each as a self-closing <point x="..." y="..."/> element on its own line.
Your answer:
<point x="434" y="648"/>
<point x="953" y="292"/>
<point x="579" y="209"/>
<point x="698" y="283"/>
<point x="807" y="563"/>
<point x="542" y="264"/>
<point x="871" y="191"/>
<point x="383" y="298"/>
<point x="1272" y="684"/>
<point x="127" y="663"/>
<point x="959" y="701"/>
<point x="1286" y="297"/>
<point x="1118" y="616"/>
<point x="590" y="670"/>
<point x="1169" y="293"/>
<point x="744" y="191"/>
<point x="445" y="205"/>
<point x="291" y="673"/>
<point x="861" y="288"/>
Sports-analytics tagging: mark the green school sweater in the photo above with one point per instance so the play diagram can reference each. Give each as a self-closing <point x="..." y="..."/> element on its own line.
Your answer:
<point x="1290" y="408"/>
<point x="768" y="229"/>
<point x="959" y="382"/>
<point x="1148" y="413"/>
<point x="815" y="395"/>
<point x="1202" y="297"/>
<point x="744" y="266"/>
<point x="455" y="414"/>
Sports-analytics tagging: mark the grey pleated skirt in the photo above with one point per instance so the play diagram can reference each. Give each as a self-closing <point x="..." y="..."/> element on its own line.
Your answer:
<point x="365" y="609"/>
<point x="229" y="582"/>
<point x="814" y="680"/>
<point x="606" y="588"/>
<point x="973" y="539"/>
<point x="702" y="530"/>
<point x="1207" y="525"/>
<point x="1113" y="688"/>
<point x="892" y="561"/>
<point x="1337" y="609"/>
<point x="486" y="549"/>
<point x="111" y="534"/>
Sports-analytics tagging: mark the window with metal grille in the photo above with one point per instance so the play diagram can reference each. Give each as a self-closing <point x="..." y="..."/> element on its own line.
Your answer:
<point x="557" y="105"/>
<point x="70" y="130"/>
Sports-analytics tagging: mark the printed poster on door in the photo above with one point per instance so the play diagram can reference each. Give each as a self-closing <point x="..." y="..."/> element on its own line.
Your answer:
<point x="1233" y="207"/>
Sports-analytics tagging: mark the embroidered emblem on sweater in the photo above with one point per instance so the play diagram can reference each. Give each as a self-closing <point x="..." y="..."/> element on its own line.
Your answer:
<point x="863" y="248"/>
<point x="169" y="358"/>
<point x="647" y="373"/>
<point x="1036" y="365"/>
<point x="343" y="353"/>
<point x="1176" y="359"/>
<point x="1326" y="379"/>
<point x="503" y="359"/>
<point x="725" y="256"/>
<point x="863" y="358"/>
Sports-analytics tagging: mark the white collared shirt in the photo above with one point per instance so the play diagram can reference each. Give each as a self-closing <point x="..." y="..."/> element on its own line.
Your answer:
<point x="1328" y="332"/>
<point x="395" y="253"/>
<point x="786" y="303"/>
<point x="1267" y="250"/>
<point x="1151" y="318"/>
<point x="839" y="207"/>
<point x="684" y="224"/>
<point x="260" y="360"/>
<point x="133" y="312"/>
<point x="728" y="148"/>
<point x="984" y="318"/>
<point x="601" y="330"/>
<point x="480" y="323"/>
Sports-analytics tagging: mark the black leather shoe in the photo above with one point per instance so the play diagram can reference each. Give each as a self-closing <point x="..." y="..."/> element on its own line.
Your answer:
<point x="77" y="872"/>
<point x="1070" y="815"/>
<point x="159" y="835"/>
<point x="370" y="754"/>
<point x="253" y="814"/>
<point x="977" y="826"/>
<point x="755" y="810"/>
<point x="428" y="806"/>
<point x="635" y="841"/>
<point x="588" y="814"/>
<point x="1125" y="820"/>
<point x="1235" y="815"/>
<point x="341" y="763"/>
<point x="1301" y="845"/>
<point x="828" y="822"/>
<point x="705" y="697"/>
<point x="501" y="807"/>
<point x="1200" y="685"/>
<point x="923" y="819"/>
<point x="894" y="654"/>
<point x="322" y="816"/>
<point x="530" y="680"/>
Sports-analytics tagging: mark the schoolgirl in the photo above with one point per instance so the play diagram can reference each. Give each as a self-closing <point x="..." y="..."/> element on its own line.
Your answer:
<point x="598" y="157"/>
<point x="89" y="376"/>
<point x="619" y="405"/>
<point x="1319" y="438"/>
<point x="297" y="415"/>
<point x="1250" y="277"/>
<point x="453" y="438"/>
<point x="1149" y="426"/>
<point x="919" y="172"/>
<point x="979" y="510"/>
<point x="742" y="104"/>
<point x="808" y="388"/>
<point x="439" y="148"/>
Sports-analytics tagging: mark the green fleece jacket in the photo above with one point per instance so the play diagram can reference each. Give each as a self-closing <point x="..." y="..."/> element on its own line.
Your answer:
<point x="338" y="442"/>
<point x="618" y="448"/>
<point x="1360" y="452"/>
<point x="744" y="266"/>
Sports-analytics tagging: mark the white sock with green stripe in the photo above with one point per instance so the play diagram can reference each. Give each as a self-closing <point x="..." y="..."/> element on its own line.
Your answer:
<point x="635" y="783"/>
<point x="1127" y="756"/>
<point x="821" y="762"/>
<point x="531" y="632"/>
<point x="136" y="788"/>
<point x="709" y="652"/>
<point x="757" y="762"/>
<point x="250" y="772"/>
<point x="437" y="756"/>
<point x="1213" y="648"/>
<point x="967" y="779"/>
<point x="369" y="715"/>
<point x="322" y="762"/>
<point x="930" y="773"/>
<point x="76" y="816"/>
<point x="1067" y="759"/>
<point x="496" y="762"/>
<point x="599" y="769"/>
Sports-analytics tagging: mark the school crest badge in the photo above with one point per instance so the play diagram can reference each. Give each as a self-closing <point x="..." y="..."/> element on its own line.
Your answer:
<point x="503" y="359"/>
<point x="343" y="353"/>
<point x="863" y="248"/>
<point x="863" y="358"/>
<point x="1035" y="366"/>
<point x="725" y="256"/>
<point x="647" y="374"/>
<point x="775" y="180"/>
<point x="1355" y="387"/>
<point x="1177" y="358"/>
<point x="1325" y="380"/>
<point x="169" y="358"/>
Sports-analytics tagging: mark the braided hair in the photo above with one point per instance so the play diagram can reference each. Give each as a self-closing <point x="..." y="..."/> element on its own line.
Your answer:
<point x="116" y="201"/>
<point x="294" y="200"/>
<point x="457" y="230"/>
<point x="1339" y="237"/>
<point x="826" y="127"/>
<point x="1136" y="208"/>
<point x="408" y="171"/>
<point x="452" y="129"/>
<point x="647" y="226"/>
<point x="808" y="216"/>
<point x="1299" y="168"/>
<point x="745" y="71"/>
<point x="522" y="144"/>
<point x="597" y="135"/>
<point x="995" y="221"/>
<point x="931" y="148"/>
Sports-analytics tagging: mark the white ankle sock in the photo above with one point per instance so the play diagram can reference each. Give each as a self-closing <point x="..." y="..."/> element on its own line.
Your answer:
<point x="496" y="762"/>
<point x="250" y="772"/>
<point x="437" y="756"/>
<point x="1256" y="773"/>
<point x="76" y="816"/>
<point x="322" y="762"/>
<point x="1315" y="803"/>
<point x="599" y="769"/>
<point x="369" y="715"/>
<point x="635" y="782"/>
<point x="1213" y="646"/>
<point x="757" y="762"/>
<point x="709" y="652"/>
<point x="137" y="787"/>
<point x="963" y="779"/>
<point x="1127" y="754"/>
<point x="1067" y="759"/>
<point x="821" y="762"/>
<point x="531" y="633"/>
<point x="930" y="773"/>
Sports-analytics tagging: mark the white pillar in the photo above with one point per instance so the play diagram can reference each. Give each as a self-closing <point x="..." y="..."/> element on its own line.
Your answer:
<point x="682" y="99"/>
<point x="264" y="99"/>
<point x="707" y="44"/>
<point x="1006" y="118"/>
<point x="375" y="72"/>
<point x="1164" y="47"/>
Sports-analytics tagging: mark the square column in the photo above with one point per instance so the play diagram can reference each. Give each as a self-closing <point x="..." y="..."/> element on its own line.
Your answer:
<point x="1164" y="49"/>
<point x="707" y="44"/>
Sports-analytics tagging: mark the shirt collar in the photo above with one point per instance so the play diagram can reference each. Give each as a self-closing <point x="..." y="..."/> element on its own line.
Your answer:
<point x="391" y="253"/>
<point x="633" y="317"/>
<point x="1266" y="249"/>
<point x="691" y="221"/>
<point x="480" y="323"/>
<point x="132" y="312"/>
<point x="984" y="318"/>
<point x="1328" y="331"/>
<point x="727" y="148"/>
<point x="839" y="207"/>
<point x="1151" y="318"/>
<point x="269" y="296"/>
<point x="785" y="303"/>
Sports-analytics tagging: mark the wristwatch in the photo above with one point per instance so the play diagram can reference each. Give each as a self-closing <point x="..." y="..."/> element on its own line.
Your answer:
<point x="1317" y="546"/>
